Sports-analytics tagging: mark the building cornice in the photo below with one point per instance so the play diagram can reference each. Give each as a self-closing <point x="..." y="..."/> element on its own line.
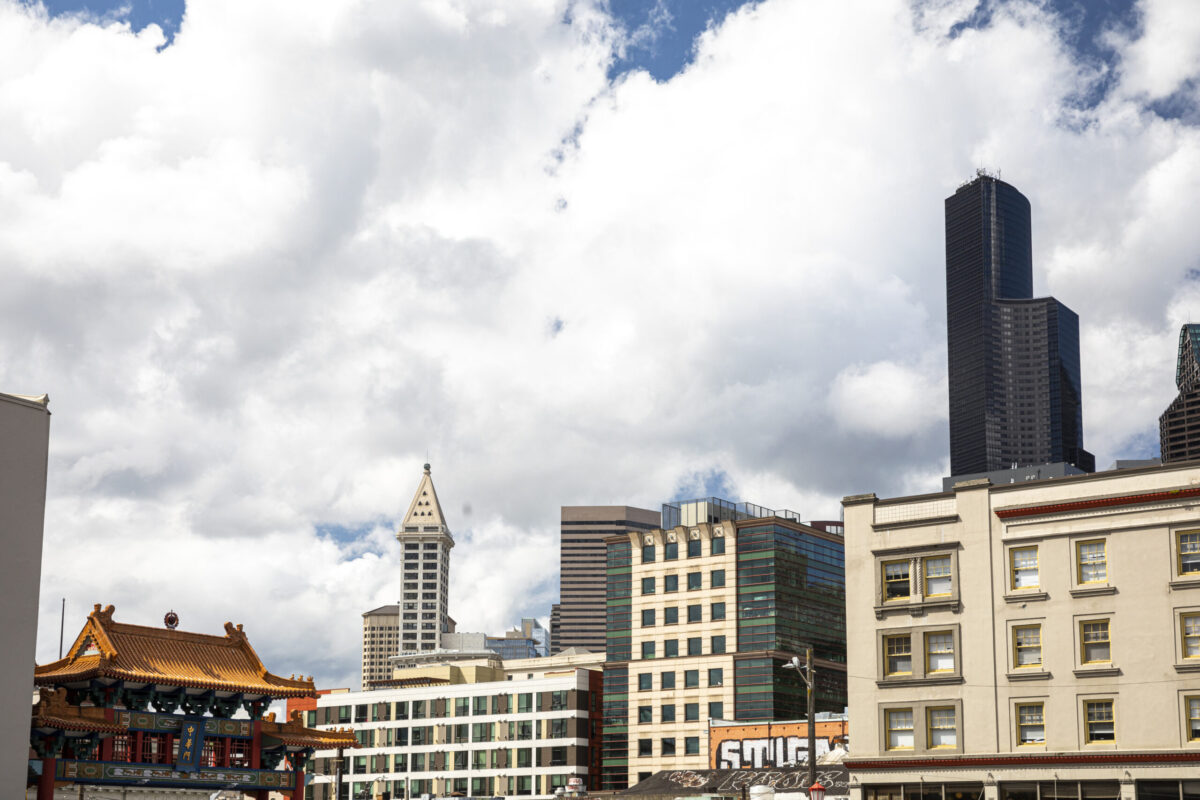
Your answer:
<point x="1016" y="759"/>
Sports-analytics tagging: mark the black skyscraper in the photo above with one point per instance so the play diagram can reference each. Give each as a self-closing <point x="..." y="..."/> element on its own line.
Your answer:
<point x="1013" y="359"/>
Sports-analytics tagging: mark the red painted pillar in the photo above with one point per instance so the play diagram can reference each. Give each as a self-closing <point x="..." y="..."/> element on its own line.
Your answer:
<point x="298" y="790"/>
<point x="46" y="780"/>
<point x="256" y="745"/>
<point x="106" y="748"/>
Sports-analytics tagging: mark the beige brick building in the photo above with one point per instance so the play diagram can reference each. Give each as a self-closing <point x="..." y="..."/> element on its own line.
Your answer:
<point x="1027" y="641"/>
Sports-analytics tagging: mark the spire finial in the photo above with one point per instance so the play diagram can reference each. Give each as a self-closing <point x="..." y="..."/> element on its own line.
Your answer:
<point x="426" y="469"/>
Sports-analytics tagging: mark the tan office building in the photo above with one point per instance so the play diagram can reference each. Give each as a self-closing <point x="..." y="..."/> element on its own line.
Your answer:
<point x="1027" y="641"/>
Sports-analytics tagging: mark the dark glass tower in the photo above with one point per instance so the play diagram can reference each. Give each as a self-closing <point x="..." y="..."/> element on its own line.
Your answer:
<point x="1179" y="425"/>
<point x="1013" y="360"/>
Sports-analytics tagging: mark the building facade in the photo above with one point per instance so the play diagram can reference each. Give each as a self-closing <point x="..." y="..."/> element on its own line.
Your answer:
<point x="701" y="620"/>
<point x="581" y="566"/>
<point x="1027" y="641"/>
<point x="25" y="432"/>
<point x="476" y="729"/>
<point x="1013" y="360"/>
<point x="1179" y="425"/>
<point x="380" y="641"/>
<point x="425" y="542"/>
<point x="530" y="640"/>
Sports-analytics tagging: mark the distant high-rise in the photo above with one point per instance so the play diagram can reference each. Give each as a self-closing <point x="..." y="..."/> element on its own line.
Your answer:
<point x="582" y="570"/>
<point x="426" y="542"/>
<point x="1013" y="359"/>
<point x="1179" y="425"/>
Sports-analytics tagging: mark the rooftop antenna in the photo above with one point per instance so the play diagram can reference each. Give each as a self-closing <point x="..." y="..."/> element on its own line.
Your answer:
<point x="62" y="624"/>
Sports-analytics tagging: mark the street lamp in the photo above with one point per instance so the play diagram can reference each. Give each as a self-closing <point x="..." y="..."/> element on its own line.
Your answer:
<point x="805" y="671"/>
<point x="816" y="791"/>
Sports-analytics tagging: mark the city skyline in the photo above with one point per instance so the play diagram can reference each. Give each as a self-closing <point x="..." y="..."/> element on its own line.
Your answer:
<point x="267" y="271"/>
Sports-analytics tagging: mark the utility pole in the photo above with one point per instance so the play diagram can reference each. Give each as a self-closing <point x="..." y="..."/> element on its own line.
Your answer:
<point x="812" y="721"/>
<point x="337" y="780"/>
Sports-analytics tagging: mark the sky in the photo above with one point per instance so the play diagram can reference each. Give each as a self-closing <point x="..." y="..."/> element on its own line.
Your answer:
<point x="269" y="258"/>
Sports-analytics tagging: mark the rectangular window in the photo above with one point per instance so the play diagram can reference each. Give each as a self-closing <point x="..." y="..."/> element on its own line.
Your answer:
<point x="670" y="583"/>
<point x="717" y="611"/>
<point x="667" y="680"/>
<point x="1193" y="718"/>
<point x="1094" y="640"/>
<point x="1093" y="564"/>
<point x="716" y="676"/>
<point x="942" y="731"/>
<point x="667" y="713"/>
<point x="695" y="613"/>
<point x="695" y="580"/>
<point x="694" y="646"/>
<point x="647" y="585"/>
<point x="898" y="658"/>
<point x="647" y="553"/>
<point x="1031" y="726"/>
<point x="718" y="545"/>
<point x="1023" y="563"/>
<point x="645" y="747"/>
<point x="939" y="652"/>
<point x="717" y="644"/>
<point x="1190" y="625"/>
<point x="1027" y="646"/>
<point x="670" y="615"/>
<point x="670" y="648"/>
<point x="718" y="578"/>
<point x="670" y="551"/>
<point x="937" y="576"/>
<point x="895" y="580"/>
<point x="1189" y="552"/>
<point x="691" y="745"/>
<point x="899" y="724"/>
<point x="648" y="618"/>
<point x="691" y="678"/>
<point x="645" y="714"/>
<point x="667" y="746"/>
<point x="1098" y="715"/>
<point x="645" y="681"/>
<point x="647" y="649"/>
<point x="693" y="548"/>
<point x="716" y="710"/>
<point x="691" y="712"/>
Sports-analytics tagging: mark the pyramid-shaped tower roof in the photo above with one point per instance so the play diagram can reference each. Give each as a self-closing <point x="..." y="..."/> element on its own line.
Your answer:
<point x="425" y="512"/>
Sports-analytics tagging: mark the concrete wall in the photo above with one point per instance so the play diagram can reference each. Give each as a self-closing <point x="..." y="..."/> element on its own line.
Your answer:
<point x="24" y="438"/>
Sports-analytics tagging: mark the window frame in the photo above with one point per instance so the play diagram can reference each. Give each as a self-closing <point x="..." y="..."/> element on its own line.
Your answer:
<point x="1084" y="661"/>
<point x="1013" y="569"/>
<point x="1085" y="729"/>
<point x="1184" y="618"/>
<point x="920" y="733"/>
<point x="1179" y="554"/>
<point x="885" y="581"/>
<point x="916" y="601"/>
<point x="1018" y="726"/>
<point x="926" y="640"/>
<point x="948" y="575"/>
<point x="888" y="642"/>
<point x="1014" y="632"/>
<point x="1188" y="715"/>
<point x="888" y="729"/>
<point x="919" y="672"/>
<point x="929" y="729"/>
<point x="1079" y="562"/>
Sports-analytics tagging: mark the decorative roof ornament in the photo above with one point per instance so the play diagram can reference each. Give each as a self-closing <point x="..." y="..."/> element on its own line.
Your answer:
<point x="171" y="620"/>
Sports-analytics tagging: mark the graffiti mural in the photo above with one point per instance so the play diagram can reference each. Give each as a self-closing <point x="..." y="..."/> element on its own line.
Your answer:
<point x="778" y="751"/>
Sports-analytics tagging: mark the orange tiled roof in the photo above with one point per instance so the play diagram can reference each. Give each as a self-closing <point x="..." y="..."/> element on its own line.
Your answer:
<point x="293" y="734"/>
<point x="141" y="654"/>
<point x="53" y="711"/>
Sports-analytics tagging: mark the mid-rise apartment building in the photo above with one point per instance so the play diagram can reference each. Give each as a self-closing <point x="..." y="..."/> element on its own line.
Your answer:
<point x="1027" y="641"/>
<point x="477" y="728"/>
<point x="702" y="618"/>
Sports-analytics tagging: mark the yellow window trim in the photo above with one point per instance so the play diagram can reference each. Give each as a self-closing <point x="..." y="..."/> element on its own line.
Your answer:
<point x="1017" y="715"/>
<point x="1012" y="568"/>
<point x="1083" y="659"/>
<point x="1079" y="560"/>
<point x="929" y="729"/>
<point x="1179" y="552"/>
<point x="887" y="656"/>
<point x="1183" y="636"/>
<point x="1187" y="715"/>
<point x="929" y="653"/>
<point x="1087" y="730"/>
<point x="908" y="579"/>
<point x="1016" y="650"/>
<point x="925" y="570"/>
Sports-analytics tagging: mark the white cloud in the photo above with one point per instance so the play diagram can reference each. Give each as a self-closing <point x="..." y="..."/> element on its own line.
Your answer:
<point x="268" y="271"/>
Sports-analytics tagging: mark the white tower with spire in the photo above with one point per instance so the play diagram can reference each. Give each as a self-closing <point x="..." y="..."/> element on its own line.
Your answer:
<point x="425" y="543"/>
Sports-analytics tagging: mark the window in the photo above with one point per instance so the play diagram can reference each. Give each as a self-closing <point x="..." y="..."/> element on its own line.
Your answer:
<point x="1098" y="717"/>
<point x="939" y="652"/>
<point x="691" y="678"/>
<point x="895" y="581"/>
<point x="1093" y="564"/>
<point x="899" y="722"/>
<point x="937" y="576"/>
<point x="717" y="611"/>
<point x="667" y="746"/>
<point x="1188" y="544"/>
<point x="647" y="649"/>
<point x="667" y="680"/>
<point x="695" y="646"/>
<point x="670" y="583"/>
<point x="1027" y="646"/>
<point x="716" y="710"/>
<point x="898" y="660"/>
<point x="693" y="548"/>
<point x="1190" y="625"/>
<point x="691" y="745"/>
<point x="718" y="578"/>
<point x="691" y="712"/>
<point x="717" y="644"/>
<point x="645" y="747"/>
<point x="1023" y="564"/>
<point x="1094" y="640"/>
<point x="716" y="677"/>
<point x="645" y="682"/>
<point x="525" y="701"/>
<point x="670" y="648"/>
<point x="1193" y="718"/>
<point x="667" y="713"/>
<point x="647" y="585"/>
<point x="718" y="546"/>
<point x="670" y="615"/>
<point x="695" y="613"/>
<point x="695" y="580"/>
<point x="942" y="731"/>
<point x="647" y="553"/>
<point x="648" y="618"/>
<point x="670" y="551"/>
<point x="1031" y="725"/>
<point x="645" y="714"/>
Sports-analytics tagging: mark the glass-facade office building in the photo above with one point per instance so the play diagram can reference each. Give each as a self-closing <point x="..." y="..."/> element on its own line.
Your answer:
<point x="1013" y="360"/>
